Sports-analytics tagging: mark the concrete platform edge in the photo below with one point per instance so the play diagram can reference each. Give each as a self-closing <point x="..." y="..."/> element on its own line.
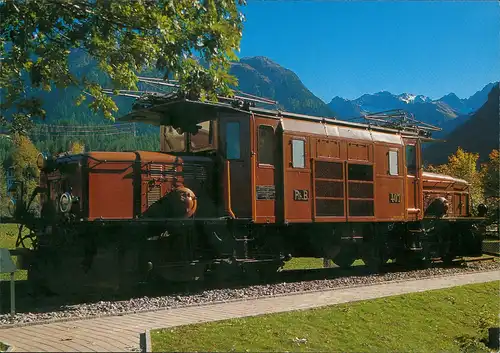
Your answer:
<point x="147" y="345"/>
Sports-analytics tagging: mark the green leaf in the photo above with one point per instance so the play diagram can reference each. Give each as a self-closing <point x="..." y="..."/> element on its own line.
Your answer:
<point x="124" y="38"/>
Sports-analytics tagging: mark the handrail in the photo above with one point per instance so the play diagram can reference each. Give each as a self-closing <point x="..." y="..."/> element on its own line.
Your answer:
<point x="252" y="183"/>
<point x="228" y="191"/>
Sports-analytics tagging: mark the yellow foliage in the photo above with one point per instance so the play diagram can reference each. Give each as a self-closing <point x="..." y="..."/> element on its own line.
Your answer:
<point x="24" y="157"/>
<point x="4" y="198"/>
<point x="77" y="147"/>
<point x="490" y="173"/>
<point x="463" y="165"/>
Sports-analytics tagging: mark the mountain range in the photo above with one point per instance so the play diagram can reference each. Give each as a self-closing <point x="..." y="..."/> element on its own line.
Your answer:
<point x="450" y="104"/>
<point x="446" y="112"/>
<point x="471" y="123"/>
<point x="263" y="77"/>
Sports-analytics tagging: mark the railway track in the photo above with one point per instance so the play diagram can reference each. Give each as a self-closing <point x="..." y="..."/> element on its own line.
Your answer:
<point x="363" y="270"/>
<point x="40" y="309"/>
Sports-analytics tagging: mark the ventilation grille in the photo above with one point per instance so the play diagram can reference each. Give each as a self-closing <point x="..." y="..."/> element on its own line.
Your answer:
<point x="329" y="189"/>
<point x="329" y="207"/>
<point x="189" y="171"/>
<point x="328" y="170"/>
<point x="156" y="168"/>
<point x="360" y="208"/>
<point x="194" y="172"/>
<point x="360" y="190"/>
<point x="154" y="194"/>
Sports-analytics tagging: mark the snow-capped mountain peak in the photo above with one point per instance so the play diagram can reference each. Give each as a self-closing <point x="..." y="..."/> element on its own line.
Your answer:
<point x="422" y="99"/>
<point x="407" y="98"/>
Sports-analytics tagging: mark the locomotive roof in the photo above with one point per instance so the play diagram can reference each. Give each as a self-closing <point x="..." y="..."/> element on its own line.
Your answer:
<point x="438" y="176"/>
<point x="181" y="111"/>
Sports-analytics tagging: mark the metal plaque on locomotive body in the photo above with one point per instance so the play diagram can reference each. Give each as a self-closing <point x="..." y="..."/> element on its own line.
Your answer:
<point x="265" y="192"/>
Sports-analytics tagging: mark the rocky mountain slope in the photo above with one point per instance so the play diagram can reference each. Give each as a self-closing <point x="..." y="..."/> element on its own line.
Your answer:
<point x="479" y="134"/>
<point x="265" y="78"/>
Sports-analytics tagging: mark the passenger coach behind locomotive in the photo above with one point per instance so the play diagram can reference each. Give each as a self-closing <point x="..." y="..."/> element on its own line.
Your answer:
<point x="240" y="187"/>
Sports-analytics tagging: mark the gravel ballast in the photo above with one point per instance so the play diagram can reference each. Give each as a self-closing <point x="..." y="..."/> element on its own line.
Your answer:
<point x="106" y="308"/>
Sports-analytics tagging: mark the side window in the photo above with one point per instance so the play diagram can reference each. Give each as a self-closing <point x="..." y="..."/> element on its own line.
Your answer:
<point x="393" y="163"/>
<point x="411" y="159"/>
<point x="233" y="148"/>
<point x="266" y="145"/>
<point x="298" y="154"/>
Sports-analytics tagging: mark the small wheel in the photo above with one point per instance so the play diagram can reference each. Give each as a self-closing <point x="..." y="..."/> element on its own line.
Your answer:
<point x="448" y="259"/>
<point x="411" y="261"/>
<point x="345" y="258"/>
<point x="374" y="263"/>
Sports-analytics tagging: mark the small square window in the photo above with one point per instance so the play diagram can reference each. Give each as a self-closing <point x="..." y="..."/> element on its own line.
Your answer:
<point x="393" y="163"/>
<point x="298" y="154"/>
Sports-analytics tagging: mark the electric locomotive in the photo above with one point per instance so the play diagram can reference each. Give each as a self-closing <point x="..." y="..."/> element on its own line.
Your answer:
<point x="237" y="188"/>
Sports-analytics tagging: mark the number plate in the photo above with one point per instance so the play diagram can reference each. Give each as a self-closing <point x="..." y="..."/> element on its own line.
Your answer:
<point x="394" y="198"/>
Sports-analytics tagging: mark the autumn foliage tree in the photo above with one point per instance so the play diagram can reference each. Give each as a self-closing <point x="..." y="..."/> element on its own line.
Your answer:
<point x="4" y="197"/>
<point x="463" y="165"/>
<point x="193" y="41"/>
<point x="76" y="147"/>
<point x="490" y="173"/>
<point x="23" y="161"/>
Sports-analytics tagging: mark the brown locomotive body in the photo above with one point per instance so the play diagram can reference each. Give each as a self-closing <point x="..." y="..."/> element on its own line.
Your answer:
<point x="239" y="186"/>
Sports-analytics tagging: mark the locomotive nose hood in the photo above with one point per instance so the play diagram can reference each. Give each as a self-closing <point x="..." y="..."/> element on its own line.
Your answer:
<point x="158" y="183"/>
<point x="445" y="195"/>
<point x="124" y="185"/>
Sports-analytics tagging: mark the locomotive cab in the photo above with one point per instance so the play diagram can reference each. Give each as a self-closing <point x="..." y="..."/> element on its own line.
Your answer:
<point x="219" y="139"/>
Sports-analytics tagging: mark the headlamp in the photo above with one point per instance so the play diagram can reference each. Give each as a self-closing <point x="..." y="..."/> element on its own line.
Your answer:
<point x="41" y="161"/>
<point x="65" y="202"/>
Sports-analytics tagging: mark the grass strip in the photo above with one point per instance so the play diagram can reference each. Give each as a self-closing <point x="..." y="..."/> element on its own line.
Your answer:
<point x="448" y="320"/>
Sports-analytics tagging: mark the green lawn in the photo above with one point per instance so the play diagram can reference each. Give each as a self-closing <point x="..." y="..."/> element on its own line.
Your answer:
<point x="3" y="347"/>
<point x="299" y="263"/>
<point x="303" y="263"/>
<point x="433" y="321"/>
<point x="8" y="236"/>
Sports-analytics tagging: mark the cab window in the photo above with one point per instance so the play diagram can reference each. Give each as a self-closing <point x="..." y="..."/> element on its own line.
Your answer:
<point x="411" y="159"/>
<point x="266" y="145"/>
<point x="233" y="145"/>
<point x="202" y="140"/>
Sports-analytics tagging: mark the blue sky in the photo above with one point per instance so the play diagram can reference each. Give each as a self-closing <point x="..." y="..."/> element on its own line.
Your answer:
<point x="351" y="48"/>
